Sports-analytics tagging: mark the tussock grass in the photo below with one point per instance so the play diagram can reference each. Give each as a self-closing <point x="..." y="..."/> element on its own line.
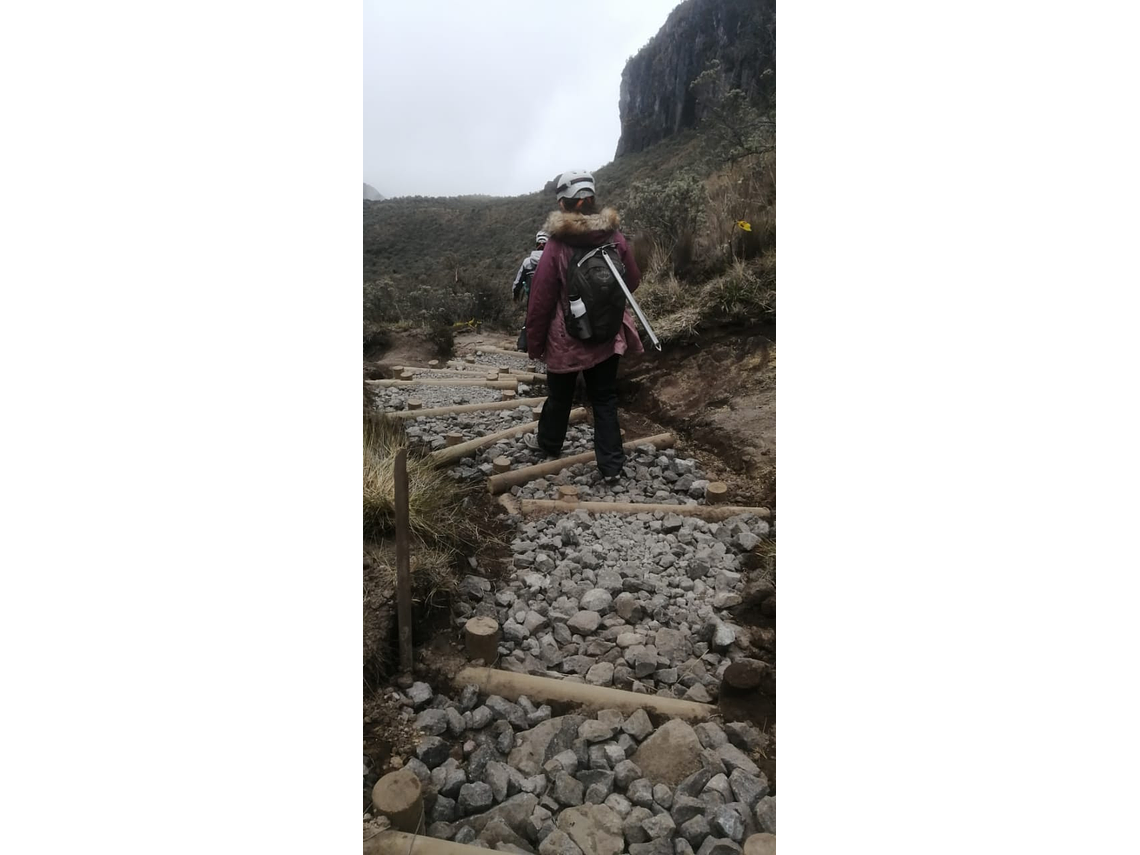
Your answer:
<point x="744" y="294"/>
<point x="433" y="571"/>
<point x="436" y="514"/>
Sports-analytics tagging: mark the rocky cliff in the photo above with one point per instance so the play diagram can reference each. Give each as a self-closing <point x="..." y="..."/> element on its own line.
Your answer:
<point x="655" y="100"/>
<point x="371" y="194"/>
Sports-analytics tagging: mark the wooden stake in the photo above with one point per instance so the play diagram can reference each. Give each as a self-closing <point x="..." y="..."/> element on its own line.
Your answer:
<point x="492" y="375"/>
<point x="414" y="403"/>
<point x="403" y="563"/>
<point x="509" y="394"/>
<point x="568" y="494"/>
<point x="453" y="439"/>
<point x="433" y="363"/>
<point x="501" y="464"/>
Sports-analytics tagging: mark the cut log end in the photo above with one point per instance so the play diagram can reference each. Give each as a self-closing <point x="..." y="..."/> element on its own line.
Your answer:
<point x="509" y="394"/>
<point x="399" y="797"/>
<point x="716" y="493"/>
<point x="433" y="363"/>
<point x="760" y="844"/>
<point x="568" y="494"/>
<point x="414" y="403"/>
<point x="492" y="375"/>
<point x="501" y="464"/>
<point x="482" y="637"/>
<point x="453" y="438"/>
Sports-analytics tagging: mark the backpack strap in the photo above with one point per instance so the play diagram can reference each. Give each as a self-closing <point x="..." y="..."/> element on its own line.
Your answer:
<point x="596" y="249"/>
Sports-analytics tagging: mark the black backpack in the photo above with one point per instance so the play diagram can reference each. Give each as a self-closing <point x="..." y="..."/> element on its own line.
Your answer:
<point x="590" y="279"/>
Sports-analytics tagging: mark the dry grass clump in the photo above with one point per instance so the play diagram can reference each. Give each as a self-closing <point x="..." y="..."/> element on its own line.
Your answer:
<point x="433" y="571"/>
<point x="746" y="292"/>
<point x="436" y="514"/>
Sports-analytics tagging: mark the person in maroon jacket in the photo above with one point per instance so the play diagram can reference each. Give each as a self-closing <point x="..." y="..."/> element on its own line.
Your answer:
<point x="577" y="223"/>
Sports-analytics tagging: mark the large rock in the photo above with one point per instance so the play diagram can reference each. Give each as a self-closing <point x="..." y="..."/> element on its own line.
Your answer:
<point x="596" y="600"/>
<point x="659" y="826"/>
<point x="567" y="790"/>
<point x="584" y="622"/>
<point x="748" y="788"/>
<point x="693" y="785"/>
<point x="498" y="776"/>
<point x="638" y="725"/>
<point x="535" y="746"/>
<point x="628" y="607"/>
<point x="710" y="735"/>
<point x="619" y="804"/>
<point x="625" y="773"/>
<point x="515" y="811"/>
<point x="432" y="751"/>
<point x="685" y="808"/>
<point x="632" y="828"/>
<point x="599" y="785"/>
<point x="595" y="731"/>
<point x="641" y="792"/>
<point x="559" y="843"/>
<point x="420" y="693"/>
<point x="474" y="798"/>
<point x="497" y="832"/>
<point x="432" y="722"/>
<point x="601" y="674"/>
<point x="594" y="828"/>
<point x="444" y="810"/>
<point x="670" y="754"/>
<point x="673" y="644"/>
<point x="726" y="822"/>
<point x="477" y="762"/>
<point x="504" y="709"/>
<point x="746" y="737"/>
<point x="695" y="829"/>
<point x="765" y="813"/>
<point x="734" y="758"/>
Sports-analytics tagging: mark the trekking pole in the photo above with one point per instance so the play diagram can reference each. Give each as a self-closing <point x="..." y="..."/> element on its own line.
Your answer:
<point x="641" y="315"/>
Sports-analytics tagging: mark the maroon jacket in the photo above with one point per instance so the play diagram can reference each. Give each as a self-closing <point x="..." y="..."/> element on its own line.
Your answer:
<point x="546" y="334"/>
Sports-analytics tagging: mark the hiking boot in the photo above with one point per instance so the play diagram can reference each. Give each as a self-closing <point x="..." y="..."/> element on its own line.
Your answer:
<point x="530" y="440"/>
<point x="612" y="479"/>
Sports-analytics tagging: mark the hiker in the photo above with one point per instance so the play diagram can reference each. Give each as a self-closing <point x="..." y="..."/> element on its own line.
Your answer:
<point x="558" y="292"/>
<point x="523" y="279"/>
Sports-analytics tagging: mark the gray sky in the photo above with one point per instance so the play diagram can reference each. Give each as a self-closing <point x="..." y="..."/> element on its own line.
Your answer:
<point x="494" y="96"/>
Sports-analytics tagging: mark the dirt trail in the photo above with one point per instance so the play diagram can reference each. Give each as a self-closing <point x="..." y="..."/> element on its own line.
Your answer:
<point x="719" y="400"/>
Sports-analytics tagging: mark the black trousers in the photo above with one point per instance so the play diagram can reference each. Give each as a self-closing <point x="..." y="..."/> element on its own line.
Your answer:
<point x="601" y="386"/>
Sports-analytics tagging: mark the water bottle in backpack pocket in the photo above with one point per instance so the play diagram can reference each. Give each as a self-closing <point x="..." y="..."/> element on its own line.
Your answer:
<point x="577" y="321"/>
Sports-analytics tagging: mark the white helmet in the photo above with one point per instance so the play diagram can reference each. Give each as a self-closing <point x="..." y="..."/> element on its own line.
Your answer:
<point x="575" y="184"/>
<point x="542" y="237"/>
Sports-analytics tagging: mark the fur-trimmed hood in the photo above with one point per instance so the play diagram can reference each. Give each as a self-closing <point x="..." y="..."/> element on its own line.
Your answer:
<point x="589" y="229"/>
